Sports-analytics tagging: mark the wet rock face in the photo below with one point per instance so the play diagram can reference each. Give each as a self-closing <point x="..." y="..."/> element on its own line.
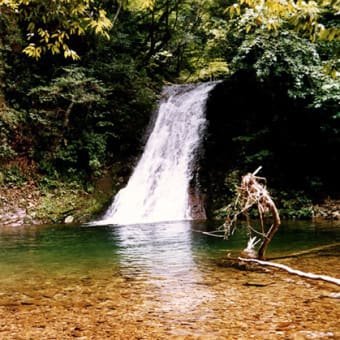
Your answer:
<point x="196" y="202"/>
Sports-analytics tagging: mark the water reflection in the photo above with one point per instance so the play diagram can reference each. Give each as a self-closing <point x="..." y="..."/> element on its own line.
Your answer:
<point x="161" y="249"/>
<point x="161" y="281"/>
<point x="163" y="255"/>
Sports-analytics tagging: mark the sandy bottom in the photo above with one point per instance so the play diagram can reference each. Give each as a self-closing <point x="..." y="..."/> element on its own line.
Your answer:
<point x="209" y="302"/>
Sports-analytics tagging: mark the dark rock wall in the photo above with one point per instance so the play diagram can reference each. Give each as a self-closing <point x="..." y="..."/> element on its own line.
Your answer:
<point x="252" y="124"/>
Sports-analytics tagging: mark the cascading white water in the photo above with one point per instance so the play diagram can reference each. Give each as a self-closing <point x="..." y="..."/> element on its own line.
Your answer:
<point x="158" y="188"/>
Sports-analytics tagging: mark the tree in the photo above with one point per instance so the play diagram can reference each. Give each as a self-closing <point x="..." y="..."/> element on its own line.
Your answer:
<point x="313" y="21"/>
<point x="169" y="32"/>
<point x="304" y="17"/>
<point x="50" y="25"/>
<point x="252" y="192"/>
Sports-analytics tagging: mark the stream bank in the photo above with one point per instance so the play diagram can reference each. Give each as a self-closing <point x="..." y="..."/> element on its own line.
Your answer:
<point x="29" y="198"/>
<point x="329" y="210"/>
<point x="58" y="202"/>
<point x="71" y="203"/>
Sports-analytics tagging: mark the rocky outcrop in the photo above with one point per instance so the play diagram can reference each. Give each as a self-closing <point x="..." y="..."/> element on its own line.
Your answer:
<point x="329" y="210"/>
<point x="196" y="201"/>
<point x="17" y="204"/>
<point x="14" y="217"/>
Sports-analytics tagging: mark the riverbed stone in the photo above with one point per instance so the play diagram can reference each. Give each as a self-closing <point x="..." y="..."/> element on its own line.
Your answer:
<point x="328" y="210"/>
<point x="69" y="219"/>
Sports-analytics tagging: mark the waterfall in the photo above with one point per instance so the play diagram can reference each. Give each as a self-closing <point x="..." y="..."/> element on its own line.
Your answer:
<point x="158" y="188"/>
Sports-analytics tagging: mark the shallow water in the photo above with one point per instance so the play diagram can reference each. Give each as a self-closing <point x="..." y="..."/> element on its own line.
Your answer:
<point x="162" y="281"/>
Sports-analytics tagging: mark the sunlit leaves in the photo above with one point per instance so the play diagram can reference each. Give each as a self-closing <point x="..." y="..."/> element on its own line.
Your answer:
<point x="141" y="4"/>
<point x="68" y="53"/>
<point x="33" y="51"/>
<point x="101" y="24"/>
<point x="51" y="24"/>
<point x="329" y="34"/>
<point x="212" y="70"/>
<point x="271" y="15"/>
<point x="12" y="4"/>
<point x="206" y="69"/>
<point x="36" y="51"/>
<point x="331" y="67"/>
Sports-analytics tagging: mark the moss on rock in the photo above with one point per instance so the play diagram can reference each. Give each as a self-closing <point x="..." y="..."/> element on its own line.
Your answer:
<point x="40" y="203"/>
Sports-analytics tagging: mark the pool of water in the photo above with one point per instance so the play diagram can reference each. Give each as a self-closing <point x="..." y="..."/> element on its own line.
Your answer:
<point x="161" y="281"/>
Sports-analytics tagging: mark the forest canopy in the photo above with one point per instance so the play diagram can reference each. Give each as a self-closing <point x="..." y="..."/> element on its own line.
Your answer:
<point x="80" y="79"/>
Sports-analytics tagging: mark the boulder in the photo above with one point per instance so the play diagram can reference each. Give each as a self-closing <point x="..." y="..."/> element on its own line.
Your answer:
<point x="196" y="202"/>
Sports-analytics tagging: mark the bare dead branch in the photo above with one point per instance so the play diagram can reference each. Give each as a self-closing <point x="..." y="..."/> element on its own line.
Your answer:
<point x="252" y="192"/>
<point x="294" y="271"/>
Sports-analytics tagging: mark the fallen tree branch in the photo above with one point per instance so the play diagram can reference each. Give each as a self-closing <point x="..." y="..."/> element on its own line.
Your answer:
<point x="294" y="271"/>
<point x="215" y="234"/>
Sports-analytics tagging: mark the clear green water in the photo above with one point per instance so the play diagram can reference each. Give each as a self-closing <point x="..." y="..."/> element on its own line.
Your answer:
<point x="163" y="247"/>
<point x="162" y="281"/>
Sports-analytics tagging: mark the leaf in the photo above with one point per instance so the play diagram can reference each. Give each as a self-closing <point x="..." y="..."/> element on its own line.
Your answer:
<point x="142" y="4"/>
<point x="55" y="49"/>
<point x="59" y="20"/>
<point x="32" y="51"/>
<point x="31" y="27"/>
<point x="334" y="74"/>
<point x="238" y="10"/>
<point x="68" y="53"/>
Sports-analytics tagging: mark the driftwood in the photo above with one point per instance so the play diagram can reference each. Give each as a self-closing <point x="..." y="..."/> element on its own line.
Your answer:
<point x="290" y="270"/>
<point x="252" y="192"/>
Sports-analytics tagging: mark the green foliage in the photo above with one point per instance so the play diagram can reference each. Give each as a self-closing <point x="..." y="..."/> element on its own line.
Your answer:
<point x="61" y="113"/>
<point x="9" y="123"/>
<point x="50" y="26"/>
<point x="295" y="205"/>
<point x="141" y="4"/>
<point x="60" y="199"/>
<point x="72" y="87"/>
<point x="328" y="96"/>
<point x="285" y="58"/>
<point x="74" y="117"/>
<point x="254" y="148"/>
<point x="206" y="46"/>
<point x="309" y="25"/>
<point x="231" y="181"/>
<point x="77" y="118"/>
<point x="13" y="177"/>
<point x="223" y="191"/>
<point x="270" y="15"/>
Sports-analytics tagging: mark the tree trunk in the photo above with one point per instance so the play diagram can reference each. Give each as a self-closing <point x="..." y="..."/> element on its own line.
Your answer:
<point x="272" y="230"/>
